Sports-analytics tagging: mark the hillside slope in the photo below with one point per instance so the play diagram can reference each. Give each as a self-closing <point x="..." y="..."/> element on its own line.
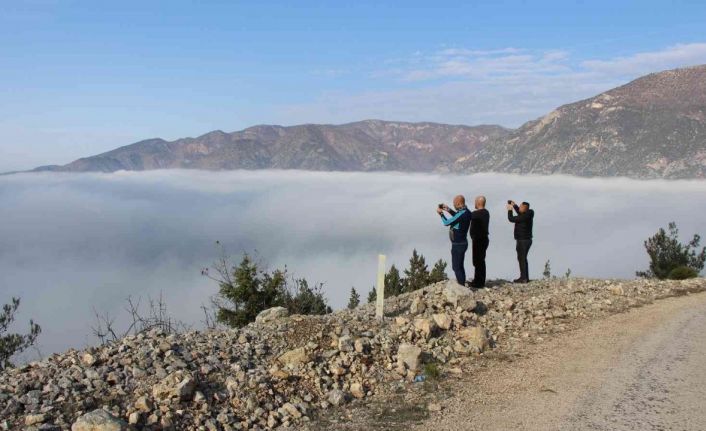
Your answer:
<point x="653" y="127"/>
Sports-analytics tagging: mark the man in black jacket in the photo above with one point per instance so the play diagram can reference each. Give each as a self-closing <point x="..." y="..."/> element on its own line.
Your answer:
<point x="523" y="235"/>
<point x="480" y="219"/>
<point x="458" y="224"/>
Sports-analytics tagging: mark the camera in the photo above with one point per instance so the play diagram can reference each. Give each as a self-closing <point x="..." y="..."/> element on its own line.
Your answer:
<point x="509" y="202"/>
<point x="441" y="206"/>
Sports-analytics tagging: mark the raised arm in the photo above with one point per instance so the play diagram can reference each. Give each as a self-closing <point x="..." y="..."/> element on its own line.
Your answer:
<point x="520" y="216"/>
<point x="456" y="216"/>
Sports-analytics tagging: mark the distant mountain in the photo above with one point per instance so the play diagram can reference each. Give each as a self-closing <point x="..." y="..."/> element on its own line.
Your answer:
<point x="362" y="146"/>
<point x="653" y="127"/>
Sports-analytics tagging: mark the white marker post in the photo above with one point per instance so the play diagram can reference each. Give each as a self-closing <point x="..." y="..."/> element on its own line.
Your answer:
<point x="380" y="291"/>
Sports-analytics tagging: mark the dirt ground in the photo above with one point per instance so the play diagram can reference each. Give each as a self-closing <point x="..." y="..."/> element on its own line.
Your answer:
<point x="640" y="370"/>
<point x="644" y="369"/>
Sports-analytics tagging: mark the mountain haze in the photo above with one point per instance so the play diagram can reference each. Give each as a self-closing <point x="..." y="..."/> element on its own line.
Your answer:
<point x="653" y="127"/>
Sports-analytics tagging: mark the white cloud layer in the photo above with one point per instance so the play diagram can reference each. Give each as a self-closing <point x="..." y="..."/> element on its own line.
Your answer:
<point x="75" y="241"/>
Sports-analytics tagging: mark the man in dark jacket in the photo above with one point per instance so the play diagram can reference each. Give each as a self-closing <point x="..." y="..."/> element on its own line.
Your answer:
<point x="458" y="224"/>
<point x="523" y="235"/>
<point x="480" y="219"/>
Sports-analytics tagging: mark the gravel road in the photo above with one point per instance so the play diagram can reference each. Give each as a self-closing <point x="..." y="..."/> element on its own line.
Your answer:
<point x="640" y="370"/>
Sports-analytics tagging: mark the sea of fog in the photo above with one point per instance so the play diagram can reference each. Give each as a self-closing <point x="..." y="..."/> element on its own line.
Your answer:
<point x="74" y="243"/>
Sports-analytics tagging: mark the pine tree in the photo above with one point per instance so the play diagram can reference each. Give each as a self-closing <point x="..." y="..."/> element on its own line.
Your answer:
<point x="246" y="290"/>
<point x="354" y="300"/>
<point x="303" y="299"/>
<point x="11" y="344"/>
<point x="372" y="295"/>
<point x="668" y="254"/>
<point x="438" y="272"/>
<point x="394" y="284"/>
<point x="417" y="275"/>
<point x="547" y="270"/>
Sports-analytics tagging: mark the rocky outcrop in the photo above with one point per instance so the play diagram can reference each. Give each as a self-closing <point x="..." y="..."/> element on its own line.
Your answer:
<point x="279" y="373"/>
<point x="271" y="314"/>
<point x="99" y="420"/>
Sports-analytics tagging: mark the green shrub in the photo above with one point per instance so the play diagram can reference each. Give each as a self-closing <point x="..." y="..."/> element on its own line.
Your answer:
<point x="432" y="371"/>
<point x="246" y="290"/>
<point x="682" y="273"/>
<point x="667" y="253"/>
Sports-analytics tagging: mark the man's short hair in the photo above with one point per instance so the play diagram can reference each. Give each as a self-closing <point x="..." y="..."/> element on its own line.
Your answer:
<point x="526" y="203"/>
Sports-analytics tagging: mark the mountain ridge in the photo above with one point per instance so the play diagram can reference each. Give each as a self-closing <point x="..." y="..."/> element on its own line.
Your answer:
<point x="369" y="145"/>
<point x="651" y="127"/>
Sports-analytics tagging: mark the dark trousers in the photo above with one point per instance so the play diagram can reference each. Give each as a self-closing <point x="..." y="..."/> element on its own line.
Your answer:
<point x="458" y="253"/>
<point x="480" y="246"/>
<point x="523" y="246"/>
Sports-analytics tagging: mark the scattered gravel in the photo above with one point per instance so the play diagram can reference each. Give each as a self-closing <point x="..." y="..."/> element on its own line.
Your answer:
<point x="292" y="372"/>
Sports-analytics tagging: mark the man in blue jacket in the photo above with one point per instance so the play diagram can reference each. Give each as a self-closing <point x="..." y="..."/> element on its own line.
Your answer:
<point x="458" y="223"/>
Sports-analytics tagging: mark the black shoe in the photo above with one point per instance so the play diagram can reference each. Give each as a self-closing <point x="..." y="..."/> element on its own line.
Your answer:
<point x="517" y="280"/>
<point x="523" y="281"/>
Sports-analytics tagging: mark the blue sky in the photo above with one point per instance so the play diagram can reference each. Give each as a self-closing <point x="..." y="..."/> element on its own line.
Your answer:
<point x="79" y="77"/>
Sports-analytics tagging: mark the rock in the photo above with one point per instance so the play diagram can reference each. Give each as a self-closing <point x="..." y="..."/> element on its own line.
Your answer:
<point x="417" y="306"/>
<point x="476" y="337"/>
<point x="143" y="404"/>
<point x="357" y="390"/>
<point x="345" y="343"/>
<point x="291" y="410"/>
<point x="134" y="418"/>
<point x="179" y="384"/>
<point x="434" y="407"/>
<point x="271" y="314"/>
<point x="336" y="397"/>
<point x="442" y="320"/>
<point x="617" y="290"/>
<point x="362" y="345"/>
<point x="279" y="374"/>
<point x="232" y="386"/>
<point x="454" y="293"/>
<point x="35" y="419"/>
<point x="401" y="321"/>
<point x="88" y="359"/>
<point x="337" y="370"/>
<point x="99" y="420"/>
<point x="409" y="355"/>
<point x="294" y="357"/>
<point x="199" y="397"/>
<point x="426" y="327"/>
